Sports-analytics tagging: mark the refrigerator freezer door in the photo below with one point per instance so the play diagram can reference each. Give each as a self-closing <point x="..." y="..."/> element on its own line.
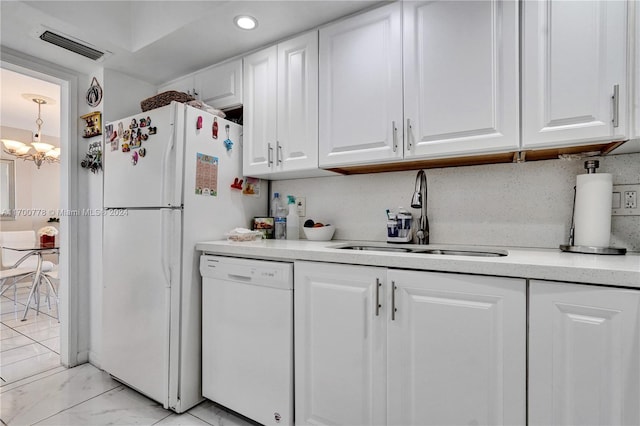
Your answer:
<point x="144" y="175"/>
<point x="139" y="268"/>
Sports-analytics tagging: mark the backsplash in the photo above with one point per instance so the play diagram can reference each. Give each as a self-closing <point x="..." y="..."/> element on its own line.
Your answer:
<point x="518" y="205"/>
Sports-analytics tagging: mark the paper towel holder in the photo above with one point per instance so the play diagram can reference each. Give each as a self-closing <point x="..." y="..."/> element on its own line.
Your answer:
<point x="590" y="166"/>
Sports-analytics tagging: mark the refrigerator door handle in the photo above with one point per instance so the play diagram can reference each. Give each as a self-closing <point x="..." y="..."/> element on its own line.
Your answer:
<point x="165" y="168"/>
<point x="166" y="229"/>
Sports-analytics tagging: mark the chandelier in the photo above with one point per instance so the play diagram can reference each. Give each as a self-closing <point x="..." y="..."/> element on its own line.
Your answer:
<point x="38" y="152"/>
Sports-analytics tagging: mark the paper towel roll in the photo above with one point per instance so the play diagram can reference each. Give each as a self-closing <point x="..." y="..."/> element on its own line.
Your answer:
<point x="593" y="210"/>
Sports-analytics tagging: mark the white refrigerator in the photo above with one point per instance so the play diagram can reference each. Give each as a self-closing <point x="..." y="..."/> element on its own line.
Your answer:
<point x="168" y="176"/>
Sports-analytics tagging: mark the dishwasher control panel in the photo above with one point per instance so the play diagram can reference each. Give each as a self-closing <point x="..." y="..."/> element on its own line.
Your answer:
<point x="249" y="271"/>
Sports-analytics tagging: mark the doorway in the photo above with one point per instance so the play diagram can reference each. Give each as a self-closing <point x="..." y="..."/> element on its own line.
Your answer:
<point x="29" y="342"/>
<point x="68" y="265"/>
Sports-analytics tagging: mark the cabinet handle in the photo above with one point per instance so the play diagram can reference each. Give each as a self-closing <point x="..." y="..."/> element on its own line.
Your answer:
<point x="378" y="305"/>
<point x="279" y="153"/>
<point x="269" y="154"/>
<point x="616" y="104"/>
<point x="409" y="134"/>
<point x="393" y="300"/>
<point x="395" y="136"/>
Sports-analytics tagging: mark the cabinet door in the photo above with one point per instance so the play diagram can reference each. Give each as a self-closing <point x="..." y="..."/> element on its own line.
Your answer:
<point x="584" y="346"/>
<point x="259" y="139"/>
<point x="184" y="84"/>
<point x="339" y="345"/>
<point x="456" y="349"/>
<point x="221" y="86"/>
<point x="297" y="143"/>
<point x="361" y="88"/>
<point x="460" y="77"/>
<point x="574" y="54"/>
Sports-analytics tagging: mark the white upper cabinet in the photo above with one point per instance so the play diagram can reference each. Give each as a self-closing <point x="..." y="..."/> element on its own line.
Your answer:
<point x="634" y="29"/>
<point x="583" y="355"/>
<point x="574" y="80"/>
<point x="260" y="111"/>
<point x="184" y="84"/>
<point x="361" y="88"/>
<point x="460" y="77"/>
<point x="416" y="80"/>
<point x="221" y="86"/>
<point x="297" y="142"/>
<point x="281" y="110"/>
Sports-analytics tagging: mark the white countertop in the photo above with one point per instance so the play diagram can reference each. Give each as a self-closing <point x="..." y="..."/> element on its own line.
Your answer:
<point x="543" y="264"/>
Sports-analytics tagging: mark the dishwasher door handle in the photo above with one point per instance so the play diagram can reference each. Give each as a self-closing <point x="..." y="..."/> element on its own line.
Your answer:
<point x="239" y="277"/>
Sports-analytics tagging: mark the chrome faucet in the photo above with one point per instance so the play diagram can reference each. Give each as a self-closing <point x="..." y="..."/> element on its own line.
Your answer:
<point x="419" y="201"/>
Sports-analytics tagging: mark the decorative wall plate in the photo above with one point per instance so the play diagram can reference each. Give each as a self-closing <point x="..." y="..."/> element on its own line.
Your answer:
<point x="94" y="94"/>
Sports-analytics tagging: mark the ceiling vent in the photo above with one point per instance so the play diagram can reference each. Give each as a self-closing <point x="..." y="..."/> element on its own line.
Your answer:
<point x="71" y="45"/>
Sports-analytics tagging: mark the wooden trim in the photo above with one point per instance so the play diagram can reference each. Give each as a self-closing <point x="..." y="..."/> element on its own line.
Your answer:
<point x="506" y="157"/>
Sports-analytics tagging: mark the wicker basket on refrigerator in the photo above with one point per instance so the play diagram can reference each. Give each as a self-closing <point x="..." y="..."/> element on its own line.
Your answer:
<point x="164" y="98"/>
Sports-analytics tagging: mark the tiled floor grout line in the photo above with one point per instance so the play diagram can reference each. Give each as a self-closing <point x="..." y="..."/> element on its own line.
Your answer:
<point x="118" y="385"/>
<point x="18" y="310"/>
<point x="24" y="359"/>
<point x="11" y="386"/>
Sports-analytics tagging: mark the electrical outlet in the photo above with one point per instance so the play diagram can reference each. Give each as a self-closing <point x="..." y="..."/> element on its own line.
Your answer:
<point x="630" y="200"/>
<point x="301" y="206"/>
<point x="624" y="200"/>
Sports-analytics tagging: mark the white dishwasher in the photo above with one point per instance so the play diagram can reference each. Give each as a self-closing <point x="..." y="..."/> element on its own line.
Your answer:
<point x="247" y="337"/>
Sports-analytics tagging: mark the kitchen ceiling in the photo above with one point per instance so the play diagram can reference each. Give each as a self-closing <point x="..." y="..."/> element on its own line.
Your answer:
<point x="157" y="41"/>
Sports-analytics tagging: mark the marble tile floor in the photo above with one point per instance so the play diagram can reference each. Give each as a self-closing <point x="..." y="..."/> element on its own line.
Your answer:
<point x="27" y="347"/>
<point x="85" y="395"/>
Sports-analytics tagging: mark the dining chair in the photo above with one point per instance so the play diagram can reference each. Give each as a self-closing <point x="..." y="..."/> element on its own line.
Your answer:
<point x="21" y="238"/>
<point x="16" y="270"/>
<point x="10" y="277"/>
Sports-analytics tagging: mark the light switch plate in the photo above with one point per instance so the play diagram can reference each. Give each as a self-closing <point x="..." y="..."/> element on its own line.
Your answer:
<point x="301" y="206"/>
<point x="621" y="196"/>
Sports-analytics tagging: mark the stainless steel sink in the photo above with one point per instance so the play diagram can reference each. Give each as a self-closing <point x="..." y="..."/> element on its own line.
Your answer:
<point x="426" y="250"/>
<point x="478" y="253"/>
<point x="377" y="248"/>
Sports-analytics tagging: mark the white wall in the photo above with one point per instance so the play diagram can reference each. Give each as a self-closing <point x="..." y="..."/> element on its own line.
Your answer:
<point x="525" y="205"/>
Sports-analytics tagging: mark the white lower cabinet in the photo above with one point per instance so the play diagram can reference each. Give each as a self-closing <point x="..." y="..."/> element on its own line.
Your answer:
<point x="339" y="345"/>
<point x="456" y="348"/>
<point x="376" y="346"/>
<point x="584" y="351"/>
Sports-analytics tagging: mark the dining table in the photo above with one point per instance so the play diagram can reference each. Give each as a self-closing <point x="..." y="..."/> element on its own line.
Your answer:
<point x="39" y="251"/>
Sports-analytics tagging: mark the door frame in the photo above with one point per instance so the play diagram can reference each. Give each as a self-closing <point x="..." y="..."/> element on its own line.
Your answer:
<point x="69" y="292"/>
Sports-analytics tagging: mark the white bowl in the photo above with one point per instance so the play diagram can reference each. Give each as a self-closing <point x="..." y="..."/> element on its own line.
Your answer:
<point x="321" y="233"/>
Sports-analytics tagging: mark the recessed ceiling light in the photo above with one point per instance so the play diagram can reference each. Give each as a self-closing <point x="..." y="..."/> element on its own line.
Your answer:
<point x="246" y="22"/>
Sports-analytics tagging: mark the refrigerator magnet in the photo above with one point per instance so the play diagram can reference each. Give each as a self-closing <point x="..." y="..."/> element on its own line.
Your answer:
<point x="237" y="184"/>
<point x="152" y="130"/>
<point x="199" y="123"/>
<point x="134" y="124"/>
<point x="134" y="158"/>
<point x="214" y="129"/>
<point x="142" y="152"/>
<point x="143" y="122"/>
<point x="228" y="143"/>
<point x="125" y="147"/>
<point x="251" y="187"/>
<point x="206" y="175"/>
